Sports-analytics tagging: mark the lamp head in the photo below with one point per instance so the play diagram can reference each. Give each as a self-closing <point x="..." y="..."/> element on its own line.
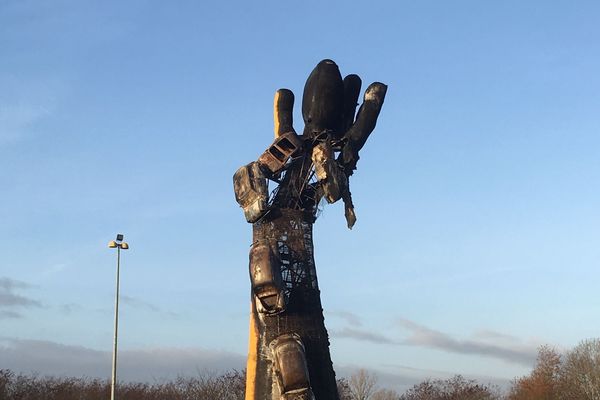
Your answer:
<point x="112" y="244"/>
<point x="124" y="246"/>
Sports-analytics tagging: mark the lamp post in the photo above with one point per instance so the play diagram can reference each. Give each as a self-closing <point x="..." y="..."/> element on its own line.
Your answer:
<point x="118" y="244"/>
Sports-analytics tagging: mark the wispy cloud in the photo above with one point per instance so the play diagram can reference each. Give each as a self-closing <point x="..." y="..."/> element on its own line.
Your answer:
<point x="364" y="335"/>
<point x="498" y="336"/>
<point x="138" y="303"/>
<point x="6" y="314"/>
<point x="514" y="351"/>
<point x="347" y="316"/>
<point x="54" y="269"/>
<point x="69" y="308"/>
<point x="51" y="358"/>
<point x="11" y="284"/>
<point x="9" y="300"/>
<point x="26" y="103"/>
<point x="484" y="343"/>
<point x="17" y="119"/>
<point x="144" y="305"/>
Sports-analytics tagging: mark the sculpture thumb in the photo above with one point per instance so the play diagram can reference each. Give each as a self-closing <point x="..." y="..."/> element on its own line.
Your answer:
<point x="283" y="107"/>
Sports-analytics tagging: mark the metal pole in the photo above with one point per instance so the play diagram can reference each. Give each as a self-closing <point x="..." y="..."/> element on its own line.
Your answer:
<point x="114" y="363"/>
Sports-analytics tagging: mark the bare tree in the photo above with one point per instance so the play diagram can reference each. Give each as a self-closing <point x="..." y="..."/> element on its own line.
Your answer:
<point x="385" y="394"/>
<point x="343" y="388"/>
<point x="543" y="382"/>
<point x="362" y="385"/>
<point x="456" y="388"/>
<point x="580" y="372"/>
<point x="205" y="386"/>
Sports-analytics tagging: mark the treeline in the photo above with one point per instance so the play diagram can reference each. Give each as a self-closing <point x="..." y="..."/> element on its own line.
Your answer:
<point x="205" y="386"/>
<point x="574" y="375"/>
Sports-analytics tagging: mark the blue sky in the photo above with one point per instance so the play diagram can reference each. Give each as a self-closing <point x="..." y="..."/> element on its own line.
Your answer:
<point x="477" y="196"/>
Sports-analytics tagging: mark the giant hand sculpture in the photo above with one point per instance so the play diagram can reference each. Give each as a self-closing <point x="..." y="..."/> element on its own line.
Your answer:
<point x="288" y="356"/>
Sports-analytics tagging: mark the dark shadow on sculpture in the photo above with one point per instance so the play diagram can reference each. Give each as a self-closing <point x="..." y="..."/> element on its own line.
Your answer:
<point x="288" y="355"/>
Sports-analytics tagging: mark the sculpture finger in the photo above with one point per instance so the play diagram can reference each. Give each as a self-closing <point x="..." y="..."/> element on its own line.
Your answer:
<point x="352" y="84"/>
<point x="365" y="123"/>
<point x="283" y="107"/>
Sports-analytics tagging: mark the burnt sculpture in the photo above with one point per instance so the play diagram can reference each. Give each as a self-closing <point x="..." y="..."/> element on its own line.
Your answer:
<point x="288" y="355"/>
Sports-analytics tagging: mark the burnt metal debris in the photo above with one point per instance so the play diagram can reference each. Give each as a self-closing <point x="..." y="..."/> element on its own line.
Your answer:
<point x="288" y="356"/>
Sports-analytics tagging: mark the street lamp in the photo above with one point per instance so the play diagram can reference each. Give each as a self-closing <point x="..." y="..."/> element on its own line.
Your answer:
<point x="118" y="244"/>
